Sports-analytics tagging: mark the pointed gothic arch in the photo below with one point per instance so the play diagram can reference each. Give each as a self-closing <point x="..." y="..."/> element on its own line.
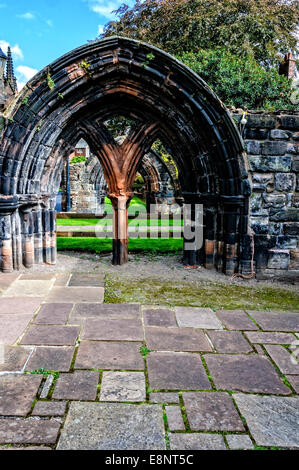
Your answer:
<point x="72" y="98"/>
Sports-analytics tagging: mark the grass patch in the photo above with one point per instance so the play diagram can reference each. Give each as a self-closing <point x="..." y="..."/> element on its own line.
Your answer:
<point x="97" y="245"/>
<point x="201" y="294"/>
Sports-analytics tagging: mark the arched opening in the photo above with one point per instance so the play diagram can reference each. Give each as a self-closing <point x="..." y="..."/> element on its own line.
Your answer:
<point x="74" y="98"/>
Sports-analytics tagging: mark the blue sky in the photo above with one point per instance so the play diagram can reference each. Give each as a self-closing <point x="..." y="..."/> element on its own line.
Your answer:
<point x="41" y="31"/>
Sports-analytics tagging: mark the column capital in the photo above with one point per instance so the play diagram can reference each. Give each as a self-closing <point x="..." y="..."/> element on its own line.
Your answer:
<point x="8" y="204"/>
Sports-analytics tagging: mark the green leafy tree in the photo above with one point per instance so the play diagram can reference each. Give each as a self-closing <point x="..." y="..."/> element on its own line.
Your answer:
<point x="241" y="81"/>
<point x="263" y="29"/>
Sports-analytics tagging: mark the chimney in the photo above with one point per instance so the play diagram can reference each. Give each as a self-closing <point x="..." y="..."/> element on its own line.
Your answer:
<point x="288" y="66"/>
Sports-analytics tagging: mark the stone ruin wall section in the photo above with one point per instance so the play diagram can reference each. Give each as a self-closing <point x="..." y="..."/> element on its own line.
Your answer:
<point x="272" y="146"/>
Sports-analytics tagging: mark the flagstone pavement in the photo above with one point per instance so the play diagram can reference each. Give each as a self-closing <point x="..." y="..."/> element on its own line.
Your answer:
<point x="76" y="373"/>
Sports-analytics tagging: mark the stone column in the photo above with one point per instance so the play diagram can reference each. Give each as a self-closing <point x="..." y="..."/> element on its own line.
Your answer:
<point x="8" y="205"/>
<point x="193" y="230"/>
<point x="120" y="203"/>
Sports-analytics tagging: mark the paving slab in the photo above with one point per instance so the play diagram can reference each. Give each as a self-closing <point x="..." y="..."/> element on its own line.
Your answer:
<point x="7" y="279"/>
<point x="236" y="320"/>
<point x="26" y="448"/>
<point x="113" y="426"/>
<point x="28" y="288"/>
<point x="246" y="373"/>
<point x="176" y="339"/>
<point x="57" y="358"/>
<point x="19" y="305"/>
<point x="283" y="359"/>
<point x="193" y="317"/>
<point x="89" y="310"/>
<point x="17" y="393"/>
<point x="176" y="371"/>
<point x="87" y="280"/>
<point x="51" y="335"/>
<point x="123" y="386"/>
<point x="13" y="358"/>
<point x="109" y="355"/>
<point x="28" y="431"/>
<point x="53" y="314"/>
<point x="12" y="327"/>
<point x="166" y="397"/>
<point x="38" y="277"/>
<point x="229" y="342"/>
<point x="294" y="381"/>
<point x="262" y="337"/>
<point x="214" y="411"/>
<point x="80" y="385"/>
<point x="272" y="421"/>
<point x="196" y="442"/>
<point x="76" y="294"/>
<point x="239" y="442"/>
<point x="277" y="321"/>
<point x="159" y="317"/>
<point x="62" y="279"/>
<point x="113" y="329"/>
<point x="49" y="408"/>
<point x="174" y="418"/>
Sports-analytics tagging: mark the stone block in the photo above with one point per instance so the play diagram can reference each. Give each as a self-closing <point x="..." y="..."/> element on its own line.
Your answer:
<point x="274" y="200"/>
<point x="174" y="418"/>
<point x="246" y="373"/>
<point x="109" y="355"/>
<point x="260" y="225"/>
<point x="80" y="385"/>
<point x="191" y="442"/>
<point x="261" y="120"/>
<point x="253" y="147"/>
<point x="270" y="163"/>
<point x="123" y="386"/>
<point x="290" y="122"/>
<point x="59" y="358"/>
<point x="272" y="421"/>
<point x="276" y="148"/>
<point x="113" y="426"/>
<point x="176" y="339"/>
<point x="28" y="431"/>
<point x="176" y="371"/>
<point x="262" y="181"/>
<point x="255" y="133"/>
<point x="236" y="320"/>
<point x="17" y="393"/>
<point x="278" y="259"/>
<point x="288" y="214"/>
<point x="285" y="182"/>
<point x="278" y="134"/>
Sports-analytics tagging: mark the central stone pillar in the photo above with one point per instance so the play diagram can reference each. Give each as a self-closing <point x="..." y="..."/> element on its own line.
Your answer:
<point x="120" y="203"/>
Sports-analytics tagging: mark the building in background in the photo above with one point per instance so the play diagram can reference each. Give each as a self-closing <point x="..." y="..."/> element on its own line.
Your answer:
<point x="8" y="81"/>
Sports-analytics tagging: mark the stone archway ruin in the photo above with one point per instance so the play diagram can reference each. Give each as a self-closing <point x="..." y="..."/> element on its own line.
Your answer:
<point x="72" y="98"/>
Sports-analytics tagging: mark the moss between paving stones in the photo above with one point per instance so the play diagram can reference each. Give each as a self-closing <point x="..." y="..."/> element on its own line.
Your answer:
<point x="205" y="294"/>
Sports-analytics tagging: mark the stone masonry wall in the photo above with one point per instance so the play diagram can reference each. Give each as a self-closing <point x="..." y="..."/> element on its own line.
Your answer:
<point x="272" y="144"/>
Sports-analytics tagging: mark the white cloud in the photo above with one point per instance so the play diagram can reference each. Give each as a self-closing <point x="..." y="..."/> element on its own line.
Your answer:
<point x="101" y="29"/>
<point x="24" y="74"/>
<point x="50" y="23"/>
<point x="16" y="50"/>
<point x="104" y="8"/>
<point x="26" y="16"/>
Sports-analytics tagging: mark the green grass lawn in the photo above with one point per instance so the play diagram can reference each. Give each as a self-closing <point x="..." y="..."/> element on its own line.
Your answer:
<point x="137" y="205"/>
<point x="96" y="245"/>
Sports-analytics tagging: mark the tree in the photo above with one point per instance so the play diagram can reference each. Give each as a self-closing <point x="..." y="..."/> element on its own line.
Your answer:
<point x="241" y="81"/>
<point x="263" y="29"/>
